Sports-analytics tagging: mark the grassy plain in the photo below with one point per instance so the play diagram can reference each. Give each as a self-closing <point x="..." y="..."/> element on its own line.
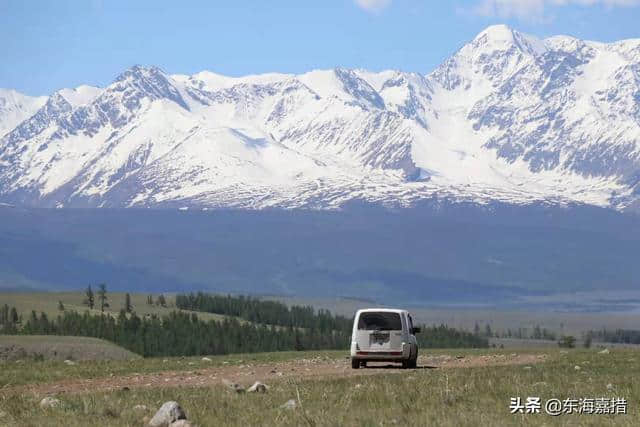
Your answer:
<point x="47" y="302"/>
<point x="450" y="397"/>
<point x="60" y="348"/>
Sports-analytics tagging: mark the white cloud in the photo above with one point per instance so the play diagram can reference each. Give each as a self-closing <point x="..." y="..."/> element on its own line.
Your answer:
<point x="374" y="6"/>
<point x="535" y="9"/>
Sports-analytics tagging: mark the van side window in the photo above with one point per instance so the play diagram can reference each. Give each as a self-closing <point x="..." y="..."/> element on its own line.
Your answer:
<point x="410" y="322"/>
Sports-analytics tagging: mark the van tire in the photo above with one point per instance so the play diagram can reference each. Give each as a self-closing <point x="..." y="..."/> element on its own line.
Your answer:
<point x="355" y="363"/>
<point x="406" y="363"/>
<point x="414" y="361"/>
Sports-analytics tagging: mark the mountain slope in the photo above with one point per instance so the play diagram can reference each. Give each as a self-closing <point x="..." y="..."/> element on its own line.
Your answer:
<point x="507" y="118"/>
<point x="16" y="107"/>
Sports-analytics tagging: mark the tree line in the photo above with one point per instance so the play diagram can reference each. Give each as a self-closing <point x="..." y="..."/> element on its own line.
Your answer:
<point x="619" y="336"/>
<point x="263" y="311"/>
<point x="445" y="337"/>
<point x="179" y="333"/>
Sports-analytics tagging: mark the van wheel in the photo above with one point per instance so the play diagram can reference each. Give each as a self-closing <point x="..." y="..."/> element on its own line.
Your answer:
<point x="414" y="361"/>
<point x="406" y="364"/>
<point x="355" y="363"/>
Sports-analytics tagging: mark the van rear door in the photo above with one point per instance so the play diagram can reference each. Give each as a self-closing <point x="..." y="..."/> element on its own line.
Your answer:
<point x="379" y="331"/>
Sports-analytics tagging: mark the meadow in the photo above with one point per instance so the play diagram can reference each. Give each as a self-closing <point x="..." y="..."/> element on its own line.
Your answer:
<point x="455" y="396"/>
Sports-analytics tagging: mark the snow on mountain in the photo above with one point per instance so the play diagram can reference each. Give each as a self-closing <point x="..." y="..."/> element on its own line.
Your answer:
<point x="508" y="117"/>
<point x="15" y="107"/>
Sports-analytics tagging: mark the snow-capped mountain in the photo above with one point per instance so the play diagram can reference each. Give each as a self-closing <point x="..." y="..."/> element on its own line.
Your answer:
<point x="508" y="117"/>
<point x="16" y="107"/>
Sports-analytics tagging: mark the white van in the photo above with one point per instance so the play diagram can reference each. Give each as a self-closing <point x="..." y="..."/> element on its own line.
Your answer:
<point x="383" y="334"/>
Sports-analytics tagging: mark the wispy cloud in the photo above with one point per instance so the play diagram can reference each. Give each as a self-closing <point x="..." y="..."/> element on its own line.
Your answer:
<point x="536" y="9"/>
<point x="374" y="6"/>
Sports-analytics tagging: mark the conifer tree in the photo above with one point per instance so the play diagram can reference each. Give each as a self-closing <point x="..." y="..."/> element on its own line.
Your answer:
<point x="102" y="296"/>
<point x="89" y="297"/>
<point x="60" y="306"/>
<point x="127" y="303"/>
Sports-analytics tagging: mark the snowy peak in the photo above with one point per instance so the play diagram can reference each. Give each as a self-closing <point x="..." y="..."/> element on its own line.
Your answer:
<point x="504" y="38"/>
<point x="151" y="82"/>
<point x="16" y="107"/>
<point x="81" y="95"/>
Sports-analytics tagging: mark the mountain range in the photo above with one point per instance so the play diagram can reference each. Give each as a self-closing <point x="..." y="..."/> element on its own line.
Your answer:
<point x="508" y="118"/>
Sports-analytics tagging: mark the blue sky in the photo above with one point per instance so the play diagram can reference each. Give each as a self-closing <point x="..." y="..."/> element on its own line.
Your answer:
<point x="48" y="45"/>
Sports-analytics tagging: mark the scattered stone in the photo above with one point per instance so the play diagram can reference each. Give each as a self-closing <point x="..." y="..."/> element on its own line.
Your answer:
<point x="577" y="368"/>
<point x="358" y="385"/>
<point x="140" y="408"/>
<point x="541" y="383"/>
<point x="289" y="405"/>
<point x="69" y="362"/>
<point x="459" y="357"/>
<point x="168" y="413"/>
<point x="206" y="359"/>
<point x="279" y="374"/>
<point x="191" y="363"/>
<point x="258" y="387"/>
<point x="165" y="360"/>
<point x="527" y="367"/>
<point x="514" y="354"/>
<point x="233" y="386"/>
<point x="564" y="352"/>
<point x="49" y="402"/>
<point x="609" y="386"/>
<point x="605" y="351"/>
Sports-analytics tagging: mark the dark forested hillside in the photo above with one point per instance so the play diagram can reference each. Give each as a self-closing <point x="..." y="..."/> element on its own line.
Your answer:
<point x="264" y="311"/>
<point x="435" y="254"/>
<point x="183" y="334"/>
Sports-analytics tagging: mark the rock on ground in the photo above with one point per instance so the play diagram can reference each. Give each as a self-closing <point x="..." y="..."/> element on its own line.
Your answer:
<point x="168" y="413"/>
<point x="258" y="387"/>
<point x="49" y="402"/>
<point x="289" y="404"/>
<point x="605" y="351"/>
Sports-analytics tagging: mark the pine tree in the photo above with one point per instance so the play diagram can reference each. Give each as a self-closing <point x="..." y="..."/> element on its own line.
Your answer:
<point x="127" y="303"/>
<point x="150" y="299"/>
<point x="162" y="301"/>
<point x="60" y="306"/>
<point x="102" y="296"/>
<point x="89" y="297"/>
<point x="476" y="329"/>
<point x="487" y="331"/>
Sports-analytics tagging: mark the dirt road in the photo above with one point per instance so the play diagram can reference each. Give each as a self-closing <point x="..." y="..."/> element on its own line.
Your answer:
<point x="268" y="372"/>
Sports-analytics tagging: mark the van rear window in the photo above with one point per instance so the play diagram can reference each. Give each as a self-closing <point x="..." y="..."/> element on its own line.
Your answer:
<point x="379" y="321"/>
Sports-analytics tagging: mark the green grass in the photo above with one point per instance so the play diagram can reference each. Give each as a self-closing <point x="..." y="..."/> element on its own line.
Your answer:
<point x="448" y="397"/>
<point x="29" y="371"/>
<point x="47" y="302"/>
<point x="51" y="347"/>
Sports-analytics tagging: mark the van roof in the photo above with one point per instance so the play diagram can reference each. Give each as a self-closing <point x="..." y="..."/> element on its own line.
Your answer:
<point x="388" y="310"/>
